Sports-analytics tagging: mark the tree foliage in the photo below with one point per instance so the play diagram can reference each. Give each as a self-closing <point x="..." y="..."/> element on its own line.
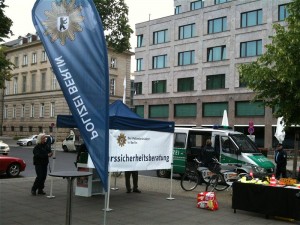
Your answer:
<point x="114" y="16"/>
<point x="275" y="76"/>
<point x="5" y="22"/>
<point x="5" y="65"/>
<point x="5" y="68"/>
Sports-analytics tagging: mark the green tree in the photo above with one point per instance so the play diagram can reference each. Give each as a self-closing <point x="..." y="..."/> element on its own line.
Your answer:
<point x="5" y="22"/>
<point x="114" y="16"/>
<point x="5" y="65"/>
<point x="275" y="76"/>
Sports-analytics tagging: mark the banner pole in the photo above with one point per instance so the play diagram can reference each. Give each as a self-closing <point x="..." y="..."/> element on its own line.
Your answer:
<point x="105" y="203"/>
<point x="108" y="194"/>
<point x="171" y="186"/>
<point x="53" y="164"/>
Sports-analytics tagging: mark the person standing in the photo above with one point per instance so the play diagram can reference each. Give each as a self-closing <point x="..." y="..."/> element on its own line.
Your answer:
<point x="210" y="157"/>
<point x="135" y="175"/>
<point x="41" y="153"/>
<point x="281" y="161"/>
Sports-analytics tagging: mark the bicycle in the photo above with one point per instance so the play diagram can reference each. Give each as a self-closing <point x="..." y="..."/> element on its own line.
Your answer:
<point x="222" y="180"/>
<point x="195" y="174"/>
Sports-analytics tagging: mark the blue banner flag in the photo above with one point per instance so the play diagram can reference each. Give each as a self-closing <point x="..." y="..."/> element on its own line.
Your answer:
<point x="72" y="34"/>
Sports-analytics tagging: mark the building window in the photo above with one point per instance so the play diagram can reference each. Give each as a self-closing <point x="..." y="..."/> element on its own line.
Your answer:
<point x="24" y="84"/>
<point x="160" y="37"/>
<point x="7" y="87"/>
<point x="214" y="109"/>
<point x="138" y="88"/>
<point x="52" y="109"/>
<point x="187" y="31"/>
<point x="14" y="112"/>
<point x="40" y="129"/>
<point x="216" y="53"/>
<point x="43" y="82"/>
<point x="32" y="111"/>
<point x="12" y="128"/>
<point x="16" y="62"/>
<point x="186" y="58"/>
<point x="246" y="108"/>
<point x="215" y="82"/>
<point x="178" y="9"/>
<point x="34" y="59"/>
<point x="197" y="5"/>
<point x="4" y="128"/>
<point x="217" y="25"/>
<point x="221" y="1"/>
<point x="185" y="84"/>
<point x="42" y="110"/>
<point x="159" y="86"/>
<point x="185" y="110"/>
<point x="252" y="18"/>
<point x="140" y="40"/>
<point x="25" y="60"/>
<point x="21" y="128"/>
<point x="54" y="82"/>
<point x="44" y="56"/>
<point x="33" y="82"/>
<point x="15" y="85"/>
<point x="282" y="12"/>
<point x="251" y="48"/>
<point x="112" y="86"/>
<point x="139" y="109"/>
<point x="5" y="112"/>
<point x="159" y="61"/>
<point x="158" y="111"/>
<point x="139" y="64"/>
<point x="23" y="111"/>
<point x="30" y="129"/>
<point x="113" y="63"/>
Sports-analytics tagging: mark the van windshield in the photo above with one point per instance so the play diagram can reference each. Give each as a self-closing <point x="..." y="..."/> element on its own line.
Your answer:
<point x="244" y="143"/>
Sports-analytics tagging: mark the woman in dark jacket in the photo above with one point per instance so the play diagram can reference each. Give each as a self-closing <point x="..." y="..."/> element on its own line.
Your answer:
<point x="41" y="154"/>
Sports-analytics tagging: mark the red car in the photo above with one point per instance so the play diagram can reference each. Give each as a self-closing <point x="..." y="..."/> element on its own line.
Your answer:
<point x="12" y="166"/>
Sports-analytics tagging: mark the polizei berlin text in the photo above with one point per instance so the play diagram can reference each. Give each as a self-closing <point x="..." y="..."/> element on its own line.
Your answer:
<point x="77" y="100"/>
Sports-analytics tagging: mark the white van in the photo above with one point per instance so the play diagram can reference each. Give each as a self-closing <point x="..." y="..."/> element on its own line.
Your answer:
<point x="72" y="142"/>
<point x="232" y="147"/>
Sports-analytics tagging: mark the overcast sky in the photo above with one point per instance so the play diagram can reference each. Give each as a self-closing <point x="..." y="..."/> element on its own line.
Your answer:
<point x="139" y="10"/>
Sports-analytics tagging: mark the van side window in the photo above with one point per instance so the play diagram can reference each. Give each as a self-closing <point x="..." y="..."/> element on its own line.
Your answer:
<point x="179" y="141"/>
<point x="226" y="145"/>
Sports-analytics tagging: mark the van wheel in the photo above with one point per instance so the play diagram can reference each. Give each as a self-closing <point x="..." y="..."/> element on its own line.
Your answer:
<point x="65" y="148"/>
<point x="163" y="173"/>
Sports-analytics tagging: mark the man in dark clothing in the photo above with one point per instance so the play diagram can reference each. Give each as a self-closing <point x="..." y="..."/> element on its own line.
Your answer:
<point x="210" y="157"/>
<point x="41" y="154"/>
<point x="135" y="175"/>
<point x="281" y="161"/>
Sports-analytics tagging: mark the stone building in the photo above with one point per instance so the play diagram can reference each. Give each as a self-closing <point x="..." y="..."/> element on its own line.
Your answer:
<point x="33" y="98"/>
<point x="187" y="64"/>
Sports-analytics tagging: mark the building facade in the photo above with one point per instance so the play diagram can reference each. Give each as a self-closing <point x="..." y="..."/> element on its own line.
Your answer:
<point x="33" y="98"/>
<point x="187" y="64"/>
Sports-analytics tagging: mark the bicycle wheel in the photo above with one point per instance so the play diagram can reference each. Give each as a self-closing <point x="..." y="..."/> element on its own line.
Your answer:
<point x="221" y="183"/>
<point x="217" y="183"/>
<point x="189" y="181"/>
<point x="212" y="183"/>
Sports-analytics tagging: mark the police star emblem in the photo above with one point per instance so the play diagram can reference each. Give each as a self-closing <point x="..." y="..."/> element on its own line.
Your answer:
<point x="121" y="139"/>
<point x="63" y="21"/>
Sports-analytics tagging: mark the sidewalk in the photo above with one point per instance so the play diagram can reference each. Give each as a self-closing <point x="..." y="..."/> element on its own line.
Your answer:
<point x="19" y="207"/>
